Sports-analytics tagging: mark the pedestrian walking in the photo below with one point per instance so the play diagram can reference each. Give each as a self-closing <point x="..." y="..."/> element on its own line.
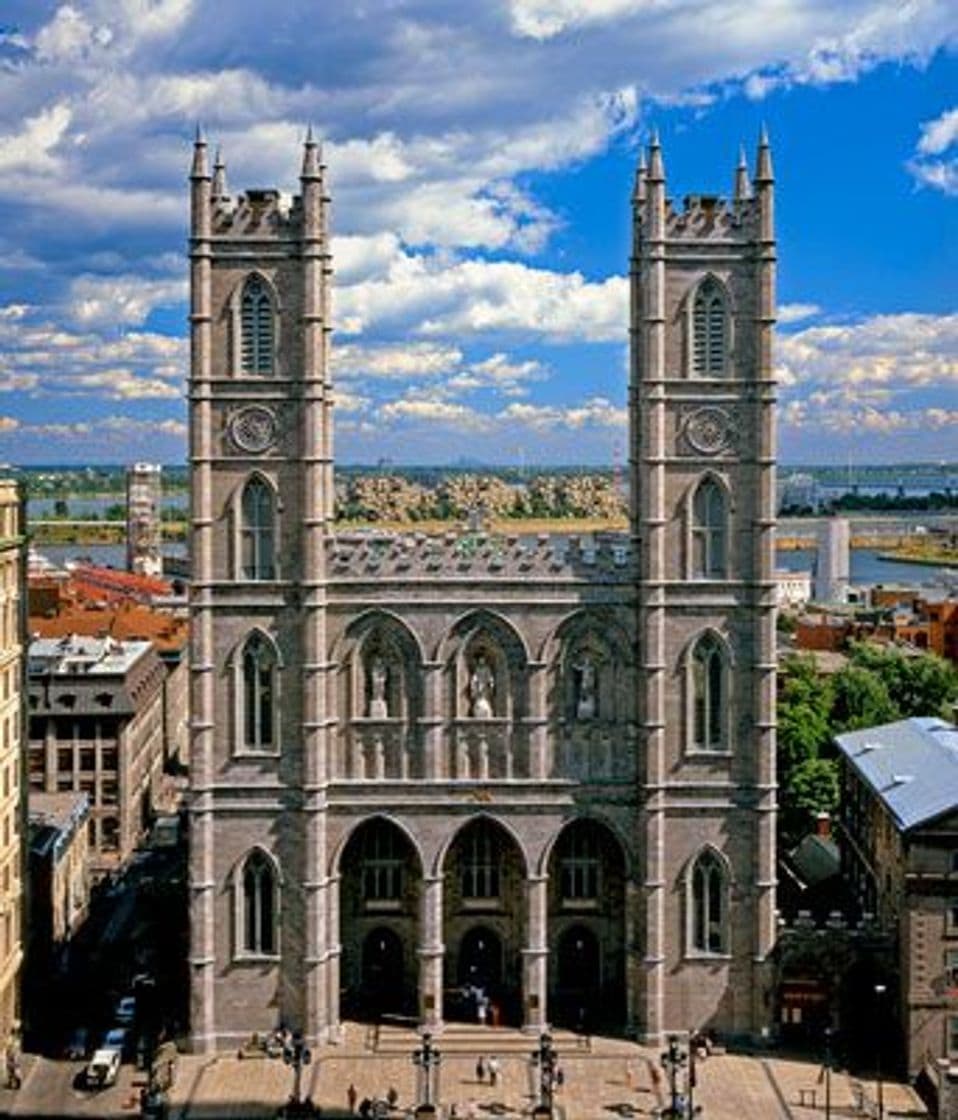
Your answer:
<point x="351" y="1095"/>
<point x="493" y="1065"/>
<point x="481" y="1070"/>
<point x="560" y="1077"/>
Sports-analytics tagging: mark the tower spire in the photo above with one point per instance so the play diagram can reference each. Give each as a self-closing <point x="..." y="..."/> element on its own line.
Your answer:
<point x="311" y="162"/>
<point x="763" y="162"/>
<point x="200" y="168"/>
<point x="656" y="172"/>
<point x="641" y="170"/>
<point x="220" y="189"/>
<point x="743" y="186"/>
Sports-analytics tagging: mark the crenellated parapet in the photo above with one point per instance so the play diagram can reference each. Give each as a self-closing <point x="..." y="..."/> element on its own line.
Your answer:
<point x="479" y="556"/>
<point x="706" y="217"/>
<point x="257" y="212"/>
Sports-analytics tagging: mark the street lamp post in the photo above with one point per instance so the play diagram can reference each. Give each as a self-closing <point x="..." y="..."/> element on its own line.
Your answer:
<point x="673" y="1060"/>
<point x="880" y="990"/>
<point x="296" y="1054"/>
<point x="828" y="1073"/>
<point x="546" y="1061"/>
<point x="427" y="1058"/>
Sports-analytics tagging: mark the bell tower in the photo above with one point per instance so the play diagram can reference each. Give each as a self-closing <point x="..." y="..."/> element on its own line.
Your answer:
<point x="261" y="504"/>
<point x="702" y="447"/>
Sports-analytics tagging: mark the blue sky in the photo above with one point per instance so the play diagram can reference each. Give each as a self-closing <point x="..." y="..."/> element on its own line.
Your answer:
<point x="480" y="163"/>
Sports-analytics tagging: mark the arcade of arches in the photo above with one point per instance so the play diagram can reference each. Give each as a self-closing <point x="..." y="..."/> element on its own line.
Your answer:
<point x="484" y="927"/>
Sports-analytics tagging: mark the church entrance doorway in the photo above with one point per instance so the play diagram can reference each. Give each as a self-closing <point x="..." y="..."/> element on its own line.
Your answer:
<point x="579" y="976"/>
<point x="382" y="966"/>
<point x="480" y="959"/>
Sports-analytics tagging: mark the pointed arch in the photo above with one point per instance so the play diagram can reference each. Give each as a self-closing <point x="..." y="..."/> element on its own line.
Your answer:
<point x="490" y="819"/>
<point x="588" y="653"/>
<point x="256" y="664"/>
<point x="709" y="328"/>
<point x="489" y="659"/>
<point x="384" y="819"/>
<point x="256" y="902"/>
<point x="707" y="670"/>
<point x="257" y="523"/>
<point x="708" y="884"/>
<point x="382" y="660"/>
<point x="708" y="510"/>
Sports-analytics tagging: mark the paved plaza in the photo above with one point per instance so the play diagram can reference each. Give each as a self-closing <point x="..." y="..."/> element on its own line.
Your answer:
<point x="602" y="1079"/>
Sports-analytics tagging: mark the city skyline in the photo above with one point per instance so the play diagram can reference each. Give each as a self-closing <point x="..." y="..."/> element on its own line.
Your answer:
<point x="479" y="166"/>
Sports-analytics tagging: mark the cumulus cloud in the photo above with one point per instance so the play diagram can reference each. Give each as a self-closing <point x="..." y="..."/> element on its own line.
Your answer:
<point x="127" y="299"/>
<point x="934" y="163"/>
<point x="904" y="350"/>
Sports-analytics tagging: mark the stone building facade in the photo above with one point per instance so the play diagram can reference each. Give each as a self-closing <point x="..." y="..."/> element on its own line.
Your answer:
<point x="433" y="772"/>
<point x="12" y="785"/>
<point x="95" y="726"/>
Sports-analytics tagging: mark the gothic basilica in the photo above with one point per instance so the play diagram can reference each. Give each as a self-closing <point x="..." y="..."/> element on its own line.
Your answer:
<point x="429" y="773"/>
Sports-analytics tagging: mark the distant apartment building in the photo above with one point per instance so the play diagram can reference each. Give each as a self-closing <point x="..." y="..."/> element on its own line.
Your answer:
<point x="144" y="554"/>
<point x="58" y="609"/>
<point x="59" y="872"/>
<point x="798" y="490"/>
<point x="832" y="561"/>
<point x="12" y="805"/>
<point x="900" y="858"/>
<point x="96" y="727"/>
<point x="930" y="622"/>
<point x="794" y="589"/>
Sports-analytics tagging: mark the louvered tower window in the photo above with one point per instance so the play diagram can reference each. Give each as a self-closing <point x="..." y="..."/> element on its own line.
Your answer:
<point x="257" y="328"/>
<point x="708" y="695"/>
<point x="708" y="331"/>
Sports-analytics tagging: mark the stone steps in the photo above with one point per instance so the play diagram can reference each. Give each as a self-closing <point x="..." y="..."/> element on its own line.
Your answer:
<point x="461" y="1038"/>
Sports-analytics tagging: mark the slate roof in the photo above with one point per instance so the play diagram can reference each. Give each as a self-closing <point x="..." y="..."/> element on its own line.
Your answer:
<point x="912" y="765"/>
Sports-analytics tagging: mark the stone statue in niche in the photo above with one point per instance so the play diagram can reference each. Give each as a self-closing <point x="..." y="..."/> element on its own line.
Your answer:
<point x="378" y="678"/>
<point x="482" y="684"/>
<point x="586" y="701"/>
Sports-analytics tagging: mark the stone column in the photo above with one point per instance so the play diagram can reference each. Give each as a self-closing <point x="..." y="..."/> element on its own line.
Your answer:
<point x="535" y="957"/>
<point x="431" y="951"/>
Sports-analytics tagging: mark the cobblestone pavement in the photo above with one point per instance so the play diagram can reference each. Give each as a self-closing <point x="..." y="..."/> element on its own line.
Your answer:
<point x="613" y="1078"/>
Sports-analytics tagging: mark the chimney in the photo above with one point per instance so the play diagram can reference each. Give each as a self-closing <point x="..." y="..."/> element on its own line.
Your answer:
<point x="823" y="826"/>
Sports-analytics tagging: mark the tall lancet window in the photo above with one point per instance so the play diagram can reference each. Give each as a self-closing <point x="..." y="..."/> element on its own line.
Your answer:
<point x="258" y="906"/>
<point x="708" y="907"/>
<point x="709" y="343"/>
<point x="258" y="531"/>
<point x="256" y="328"/>
<point x="709" y="517"/>
<point x="259" y="694"/>
<point x="709" y="697"/>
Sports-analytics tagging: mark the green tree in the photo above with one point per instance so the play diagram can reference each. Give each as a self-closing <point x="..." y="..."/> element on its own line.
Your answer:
<point x="812" y="788"/>
<point x="861" y="699"/>
<point x="918" y="685"/>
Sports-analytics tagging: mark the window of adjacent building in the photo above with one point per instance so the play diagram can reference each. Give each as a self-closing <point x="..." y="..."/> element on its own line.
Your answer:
<point x="259" y="685"/>
<point x="708" y="694"/>
<point x="954" y="861"/>
<point x="708" y="890"/>
<point x="951" y="968"/>
<point x="579" y="863"/>
<point x="952" y="1036"/>
<point x="383" y="861"/>
<point x="256" y="328"/>
<point x="952" y="916"/>
<point x="709" y="518"/>
<point x="708" y="330"/>
<point x="257" y="531"/>
<point x="480" y="863"/>
<point x="87" y="759"/>
<point x="108" y="759"/>
<point x="65" y="759"/>
<point x="259" y="906"/>
<point x="109" y="834"/>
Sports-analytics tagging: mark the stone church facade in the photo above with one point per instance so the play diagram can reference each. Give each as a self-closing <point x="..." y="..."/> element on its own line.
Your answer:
<point x="434" y="772"/>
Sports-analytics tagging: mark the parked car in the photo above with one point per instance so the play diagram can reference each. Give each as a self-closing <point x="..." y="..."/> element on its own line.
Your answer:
<point x="103" y="1068"/>
<point x="117" y="1039"/>
<point x="125" y="1011"/>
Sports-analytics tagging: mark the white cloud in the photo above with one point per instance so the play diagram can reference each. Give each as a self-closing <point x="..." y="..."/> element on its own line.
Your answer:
<point x="31" y="148"/>
<point x="795" y="312"/>
<point x="401" y="361"/>
<point x="937" y="138"/>
<point x="68" y="36"/>
<point x="906" y="350"/>
<point x="427" y="411"/>
<point x="103" y="301"/>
